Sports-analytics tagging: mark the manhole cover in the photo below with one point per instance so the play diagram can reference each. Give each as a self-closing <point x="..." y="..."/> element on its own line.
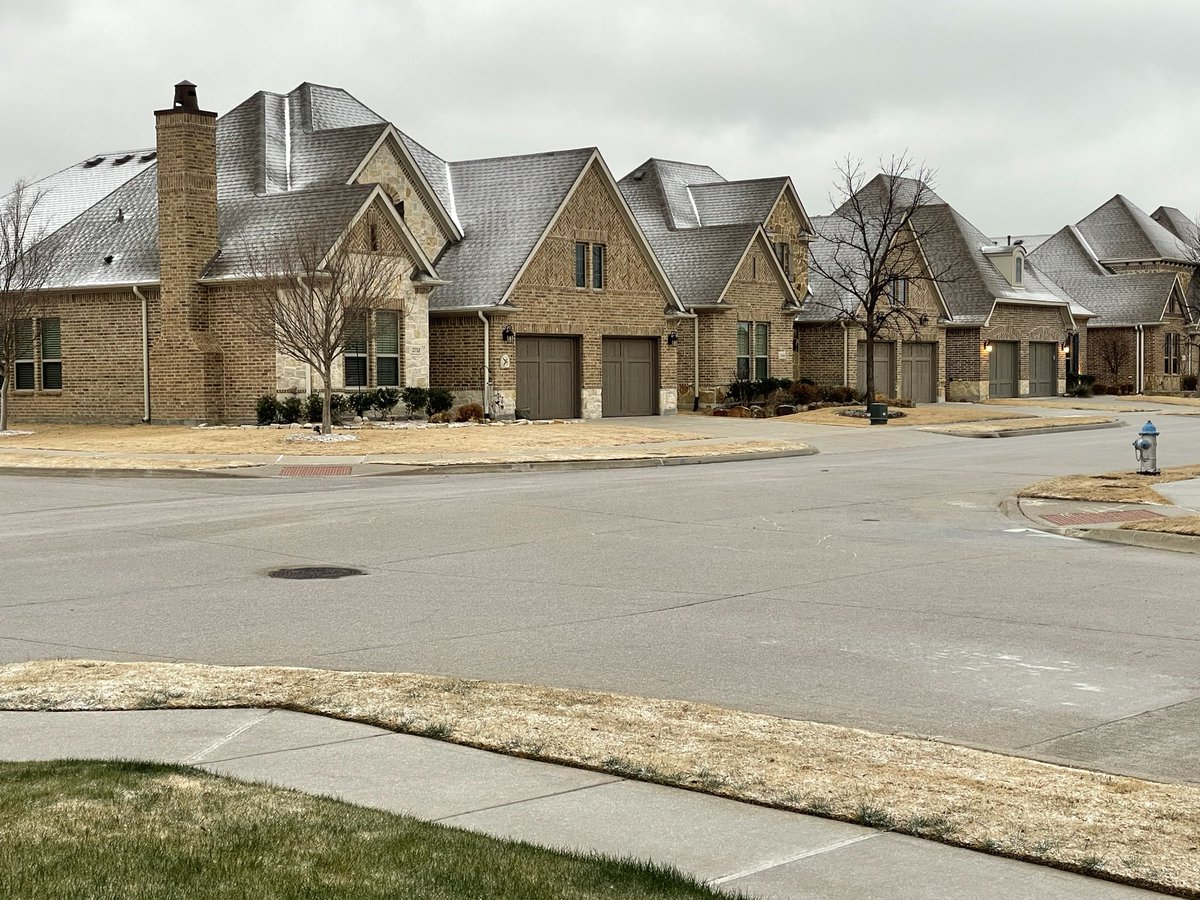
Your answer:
<point x="301" y="573"/>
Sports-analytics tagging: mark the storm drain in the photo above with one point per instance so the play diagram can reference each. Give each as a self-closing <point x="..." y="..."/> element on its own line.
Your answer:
<point x="1102" y="518"/>
<point x="303" y="573"/>
<point x="313" y="471"/>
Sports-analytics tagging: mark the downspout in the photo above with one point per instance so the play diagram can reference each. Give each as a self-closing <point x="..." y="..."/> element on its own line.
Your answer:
<point x="145" y="354"/>
<point x="1139" y="381"/>
<point x="487" y="358"/>
<point x="696" y="362"/>
<point x="845" y="354"/>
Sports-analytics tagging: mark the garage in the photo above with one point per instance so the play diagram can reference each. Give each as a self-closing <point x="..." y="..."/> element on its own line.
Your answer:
<point x="548" y="377"/>
<point x="1002" y="369"/>
<point x="885" y="368"/>
<point x="918" y="372"/>
<point x="630" y="377"/>
<point x="1042" y="369"/>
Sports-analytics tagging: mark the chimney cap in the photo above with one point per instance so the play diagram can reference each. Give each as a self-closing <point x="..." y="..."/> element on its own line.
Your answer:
<point x="185" y="101"/>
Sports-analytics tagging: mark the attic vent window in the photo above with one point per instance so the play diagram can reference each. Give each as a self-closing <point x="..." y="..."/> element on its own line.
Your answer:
<point x="1018" y="269"/>
<point x="373" y="238"/>
<point x="92" y="163"/>
<point x="400" y="208"/>
<point x="120" y="161"/>
<point x="149" y="157"/>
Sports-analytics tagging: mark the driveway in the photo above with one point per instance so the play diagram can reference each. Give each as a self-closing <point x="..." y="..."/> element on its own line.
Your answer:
<point x="875" y="585"/>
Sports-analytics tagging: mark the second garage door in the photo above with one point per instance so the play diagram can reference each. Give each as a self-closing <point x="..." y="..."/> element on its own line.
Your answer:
<point x="548" y="377"/>
<point x="918" y="372"/>
<point x="1042" y="369"/>
<point x="630" y="377"/>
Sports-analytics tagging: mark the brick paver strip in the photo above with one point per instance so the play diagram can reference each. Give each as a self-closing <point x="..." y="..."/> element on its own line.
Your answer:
<point x="318" y="471"/>
<point x="1101" y="518"/>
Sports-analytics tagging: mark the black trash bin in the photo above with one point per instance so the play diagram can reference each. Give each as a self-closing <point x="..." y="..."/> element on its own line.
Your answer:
<point x="878" y="413"/>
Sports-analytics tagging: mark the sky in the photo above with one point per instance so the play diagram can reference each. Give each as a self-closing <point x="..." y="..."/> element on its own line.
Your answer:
<point x="1032" y="112"/>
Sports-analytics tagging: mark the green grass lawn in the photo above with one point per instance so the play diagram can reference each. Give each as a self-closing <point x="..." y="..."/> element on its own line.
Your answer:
<point x="88" y="830"/>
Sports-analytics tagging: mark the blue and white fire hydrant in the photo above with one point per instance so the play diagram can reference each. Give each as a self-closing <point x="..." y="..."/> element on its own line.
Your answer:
<point x="1146" y="449"/>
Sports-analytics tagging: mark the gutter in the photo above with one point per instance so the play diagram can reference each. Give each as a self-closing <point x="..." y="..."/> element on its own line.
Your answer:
<point x="1139" y="381"/>
<point x="487" y="370"/>
<point x="145" y="353"/>
<point x="696" y="363"/>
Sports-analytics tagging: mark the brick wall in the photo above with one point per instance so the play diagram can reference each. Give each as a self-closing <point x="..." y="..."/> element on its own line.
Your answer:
<point x="1026" y="324"/>
<point x="819" y="353"/>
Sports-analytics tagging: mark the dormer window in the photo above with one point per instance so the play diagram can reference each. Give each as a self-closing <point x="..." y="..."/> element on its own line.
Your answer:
<point x="1009" y="259"/>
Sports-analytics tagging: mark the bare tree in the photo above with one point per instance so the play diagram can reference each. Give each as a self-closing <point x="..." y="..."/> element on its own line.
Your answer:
<point x="1114" y="351"/>
<point x="309" y="299"/>
<point x="26" y="266"/>
<point x="872" y="249"/>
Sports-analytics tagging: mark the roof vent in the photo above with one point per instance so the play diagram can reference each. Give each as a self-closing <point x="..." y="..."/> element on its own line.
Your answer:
<point x="92" y="163"/>
<point x="149" y="157"/>
<point x="108" y="260"/>
<point x="120" y="161"/>
<point x="639" y="174"/>
<point x="185" y="97"/>
<point x="120" y="214"/>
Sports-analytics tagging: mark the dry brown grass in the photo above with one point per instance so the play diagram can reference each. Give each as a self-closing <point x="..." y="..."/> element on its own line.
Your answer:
<point x="1173" y="401"/>
<point x="1125" y="828"/>
<point x="1030" y="424"/>
<point x="933" y="414"/>
<point x="185" y="441"/>
<point x="1113" y="487"/>
<point x="1188" y="525"/>
<point x="46" y="461"/>
<point x="1072" y="403"/>
<point x="643" y="451"/>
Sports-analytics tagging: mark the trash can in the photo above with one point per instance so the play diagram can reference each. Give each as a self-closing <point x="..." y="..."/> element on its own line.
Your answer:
<point x="878" y="413"/>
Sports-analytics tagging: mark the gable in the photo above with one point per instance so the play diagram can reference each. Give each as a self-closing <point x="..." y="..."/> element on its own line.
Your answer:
<point x="592" y="215"/>
<point x="386" y="168"/>
<point x="377" y="226"/>
<point x="760" y="270"/>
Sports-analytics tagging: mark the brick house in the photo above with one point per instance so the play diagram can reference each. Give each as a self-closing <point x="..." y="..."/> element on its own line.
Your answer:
<point x="1137" y="275"/>
<point x="140" y="324"/>
<point x="736" y="253"/>
<point x="555" y="306"/>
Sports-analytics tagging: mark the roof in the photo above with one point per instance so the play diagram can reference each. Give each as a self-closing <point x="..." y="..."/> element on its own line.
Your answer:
<point x="1119" y="230"/>
<point x="1029" y="241"/>
<point x="505" y="205"/>
<point x="67" y="193"/>
<point x="699" y="225"/>
<point x="1130" y="297"/>
<point x="1179" y="224"/>
<point x="283" y="163"/>
<point x="877" y="190"/>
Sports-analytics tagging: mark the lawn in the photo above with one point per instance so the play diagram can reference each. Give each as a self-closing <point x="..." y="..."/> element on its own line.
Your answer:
<point x="1121" y="827"/>
<point x="1113" y="487"/>
<point x="74" y="829"/>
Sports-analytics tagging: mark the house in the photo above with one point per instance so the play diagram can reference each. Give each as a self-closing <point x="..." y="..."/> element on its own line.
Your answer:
<point x="986" y="324"/>
<point x="736" y="254"/>
<point x="537" y="257"/>
<point x="1135" y="275"/>
<point x="555" y="305"/>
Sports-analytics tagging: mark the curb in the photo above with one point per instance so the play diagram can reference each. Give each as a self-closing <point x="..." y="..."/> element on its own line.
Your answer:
<point x="396" y="469"/>
<point x="1027" y="432"/>
<point x="1010" y="507"/>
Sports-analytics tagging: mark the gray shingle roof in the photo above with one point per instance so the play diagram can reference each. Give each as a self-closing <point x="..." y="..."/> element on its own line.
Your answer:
<point x="1129" y="298"/>
<point x="876" y="191"/>
<point x="1179" y="224"/>
<point x="672" y="180"/>
<point x="827" y="302"/>
<point x="436" y="171"/>
<point x="504" y="205"/>
<point x="1119" y="230"/>
<point x="736" y="202"/>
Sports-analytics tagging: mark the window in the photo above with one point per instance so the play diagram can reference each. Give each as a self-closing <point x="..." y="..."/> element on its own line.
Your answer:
<point x="25" y="365"/>
<point x="597" y="266"/>
<point x="783" y="250"/>
<point x="899" y="292"/>
<point x="1018" y="269"/>
<point x="373" y="237"/>
<point x="51" y="354"/>
<point x="752" y="343"/>
<point x="580" y="264"/>
<point x="387" y="349"/>
<point x="1171" y="353"/>
<point x="356" y="352"/>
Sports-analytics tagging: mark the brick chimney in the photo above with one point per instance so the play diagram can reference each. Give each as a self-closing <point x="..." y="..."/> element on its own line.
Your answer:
<point x="187" y="240"/>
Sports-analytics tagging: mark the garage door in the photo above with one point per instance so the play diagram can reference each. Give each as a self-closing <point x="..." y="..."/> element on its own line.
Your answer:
<point x="630" y="377"/>
<point x="918" y="372"/>
<point x="548" y="377"/>
<point x="885" y="368"/>
<point x="1002" y="369"/>
<point x="1042" y="374"/>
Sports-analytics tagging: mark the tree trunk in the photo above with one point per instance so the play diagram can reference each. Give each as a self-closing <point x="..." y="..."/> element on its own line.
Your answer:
<point x="326" y="404"/>
<point x="870" y="364"/>
<point x="4" y="401"/>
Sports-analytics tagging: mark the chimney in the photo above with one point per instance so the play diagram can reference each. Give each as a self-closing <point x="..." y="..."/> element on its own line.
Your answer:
<point x="187" y="240"/>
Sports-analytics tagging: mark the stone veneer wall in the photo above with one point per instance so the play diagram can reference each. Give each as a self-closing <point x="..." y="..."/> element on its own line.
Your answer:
<point x="387" y="169"/>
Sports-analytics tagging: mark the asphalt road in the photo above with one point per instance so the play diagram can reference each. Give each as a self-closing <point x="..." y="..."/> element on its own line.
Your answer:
<point x="875" y="585"/>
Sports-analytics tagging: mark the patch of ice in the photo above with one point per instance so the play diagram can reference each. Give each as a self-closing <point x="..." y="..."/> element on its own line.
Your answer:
<point x="322" y="438"/>
<point x="11" y="433"/>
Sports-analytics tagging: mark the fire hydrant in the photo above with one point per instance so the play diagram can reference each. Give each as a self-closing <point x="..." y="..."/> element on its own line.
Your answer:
<point x="1146" y="449"/>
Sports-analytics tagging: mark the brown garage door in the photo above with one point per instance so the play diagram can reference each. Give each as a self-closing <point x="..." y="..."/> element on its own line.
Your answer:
<point x="918" y="372"/>
<point x="885" y="368"/>
<point x="548" y="377"/>
<point x="1042" y="369"/>
<point x="630" y="383"/>
<point x="1002" y="369"/>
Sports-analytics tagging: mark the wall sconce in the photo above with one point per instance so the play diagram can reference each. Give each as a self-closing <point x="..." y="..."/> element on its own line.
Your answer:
<point x="508" y="334"/>
<point x="673" y="338"/>
<point x="987" y="346"/>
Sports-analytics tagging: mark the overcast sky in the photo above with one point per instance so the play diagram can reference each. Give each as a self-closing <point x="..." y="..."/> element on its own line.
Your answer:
<point x="1033" y="112"/>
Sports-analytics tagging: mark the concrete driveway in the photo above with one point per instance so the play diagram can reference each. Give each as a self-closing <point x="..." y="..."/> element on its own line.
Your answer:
<point x="876" y="585"/>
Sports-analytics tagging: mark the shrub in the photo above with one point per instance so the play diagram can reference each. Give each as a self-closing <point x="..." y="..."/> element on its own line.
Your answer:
<point x="385" y="400"/>
<point x="839" y="393"/>
<point x="1080" y="385"/>
<point x="415" y="399"/>
<point x="361" y="401"/>
<point x="339" y="407"/>
<point x="440" y="418"/>
<point x="1101" y="388"/>
<point x="291" y="410"/>
<point x="313" y="408"/>
<point x="266" y="410"/>
<point x="803" y="394"/>
<point x="439" y="400"/>
<point x="469" y="412"/>
<point x="1188" y="382"/>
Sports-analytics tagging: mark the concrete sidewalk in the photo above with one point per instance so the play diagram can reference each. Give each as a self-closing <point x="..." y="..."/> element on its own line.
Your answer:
<point x="760" y="852"/>
<point x="1102" y="521"/>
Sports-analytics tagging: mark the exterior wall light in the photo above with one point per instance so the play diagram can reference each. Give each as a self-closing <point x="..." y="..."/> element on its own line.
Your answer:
<point x="673" y="338"/>
<point x="987" y="346"/>
<point x="508" y="334"/>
